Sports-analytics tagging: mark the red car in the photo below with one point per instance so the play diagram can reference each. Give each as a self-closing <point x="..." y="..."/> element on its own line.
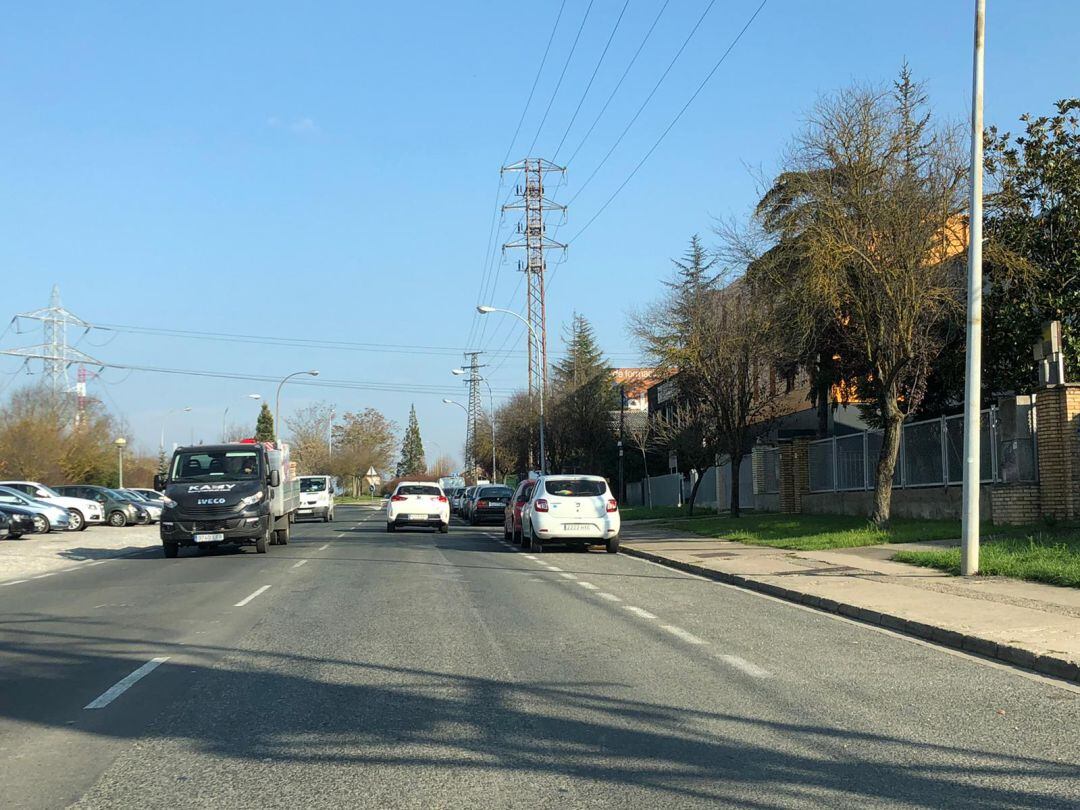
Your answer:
<point x="512" y="515"/>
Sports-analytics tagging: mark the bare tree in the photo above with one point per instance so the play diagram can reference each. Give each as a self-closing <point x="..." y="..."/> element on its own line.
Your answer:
<point x="690" y="432"/>
<point x="309" y="433"/>
<point x="442" y="466"/>
<point x="641" y="433"/>
<point x="871" y="221"/>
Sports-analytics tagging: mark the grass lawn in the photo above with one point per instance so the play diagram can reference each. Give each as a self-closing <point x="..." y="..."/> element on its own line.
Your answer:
<point x="665" y="512"/>
<point x="361" y="499"/>
<point x="816" y="532"/>
<point x="1040" y="557"/>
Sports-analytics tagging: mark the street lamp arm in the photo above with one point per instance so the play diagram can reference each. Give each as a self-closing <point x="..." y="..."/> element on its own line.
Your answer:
<point x="277" y="400"/>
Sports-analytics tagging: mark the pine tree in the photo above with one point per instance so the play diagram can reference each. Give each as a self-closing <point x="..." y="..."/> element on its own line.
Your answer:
<point x="585" y="396"/>
<point x="412" y="449"/>
<point x="162" y="462"/>
<point x="264" y="427"/>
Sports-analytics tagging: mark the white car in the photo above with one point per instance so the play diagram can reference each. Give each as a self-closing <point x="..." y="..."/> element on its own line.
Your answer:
<point x="83" y="512"/>
<point x="418" y="503"/>
<point x="572" y="509"/>
<point x="316" y="497"/>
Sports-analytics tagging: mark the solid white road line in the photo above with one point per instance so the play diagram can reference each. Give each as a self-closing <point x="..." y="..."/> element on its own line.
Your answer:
<point x="745" y="666"/>
<point x="588" y="585"/>
<point x="247" y="599"/>
<point x="564" y="575"/>
<point x="609" y="596"/>
<point x="639" y="612"/>
<point x="297" y="565"/>
<point x="42" y="576"/>
<point x="683" y="634"/>
<point x="553" y="568"/>
<point x="13" y="582"/>
<point x="530" y="557"/>
<point x="121" y="686"/>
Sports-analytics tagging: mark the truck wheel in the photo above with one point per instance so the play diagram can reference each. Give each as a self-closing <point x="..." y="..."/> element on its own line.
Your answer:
<point x="263" y="541"/>
<point x="281" y="537"/>
<point x="78" y="522"/>
<point x="327" y="517"/>
<point x="390" y="526"/>
<point x="171" y="549"/>
<point x="117" y="519"/>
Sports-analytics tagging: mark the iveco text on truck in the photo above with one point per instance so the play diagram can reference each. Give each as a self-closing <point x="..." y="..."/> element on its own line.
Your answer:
<point x="245" y="493"/>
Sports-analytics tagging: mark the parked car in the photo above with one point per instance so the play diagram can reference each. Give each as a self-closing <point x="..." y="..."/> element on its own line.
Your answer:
<point x="316" y="497"/>
<point x="83" y="512"/>
<point x="153" y="507"/>
<point x="512" y="513"/>
<point x="119" y="511"/>
<point x="466" y="497"/>
<point x="151" y="495"/>
<point x="417" y="503"/>
<point x="21" y="520"/>
<point x="47" y="516"/>
<point x="572" y="509"/>
<point x="455" y="497"/>
<point x="489" y="503"/>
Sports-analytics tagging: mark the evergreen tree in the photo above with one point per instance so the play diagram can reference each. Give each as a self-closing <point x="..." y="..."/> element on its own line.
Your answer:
<point x="264" y="427"/>
<point x="162" y="462"/>
<point x="412" y="449"/>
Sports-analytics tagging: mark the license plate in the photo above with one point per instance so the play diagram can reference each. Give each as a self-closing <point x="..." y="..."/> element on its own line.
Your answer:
<point x="496" y="503"/>
<point x="576" y="527"/>
<point x="304" y="511"/>
<point x="209" y="538"/>
<point x="417" y="517"/>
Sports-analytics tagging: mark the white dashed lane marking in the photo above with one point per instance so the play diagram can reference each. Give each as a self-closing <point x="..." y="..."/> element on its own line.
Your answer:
<point x="565" y="575"/>
<point x="609" y="596"/>
<point x="302" y="562"/>
<point x="588" y="585"/>
<point x="553" y="568"/>
<point x="745" y="666"/>
<point x="121" y="686"/>
<point x="324" y="547"/>
<point x="639" y="612"/>
<point x="247" y="599"/>
<point x="685" y="635"/>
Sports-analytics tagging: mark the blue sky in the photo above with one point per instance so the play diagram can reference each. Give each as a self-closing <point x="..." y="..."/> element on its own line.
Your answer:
<point x="328" y="171"/>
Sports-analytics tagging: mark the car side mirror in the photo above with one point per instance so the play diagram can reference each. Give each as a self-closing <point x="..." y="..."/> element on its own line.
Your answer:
<point x="275" y="478"/>
<point x="159" y="482"/>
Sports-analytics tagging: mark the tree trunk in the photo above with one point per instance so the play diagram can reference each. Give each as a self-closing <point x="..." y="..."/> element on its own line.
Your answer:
<point x="883" y="479"/>
<point x="648" y="484"/>
<point x="694" y="489"/>
<point x="736" y="464"/>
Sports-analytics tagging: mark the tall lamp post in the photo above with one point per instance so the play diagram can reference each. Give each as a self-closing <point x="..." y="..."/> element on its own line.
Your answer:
<point x="161" y="444"/>
<point x="224" y="416"/>
<point x="455" y="402"/>
<point x="120" y="443"/>
<point x="457" y="372"/>
<point x="277" y="401"/>
<point x="484" y="310"/>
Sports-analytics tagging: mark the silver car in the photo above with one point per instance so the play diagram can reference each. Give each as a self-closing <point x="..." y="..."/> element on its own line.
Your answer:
<point x="46" y="515"/>
<point x="154" y="507"/>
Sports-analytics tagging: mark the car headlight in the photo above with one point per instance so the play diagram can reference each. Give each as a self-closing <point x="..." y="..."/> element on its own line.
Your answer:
<point x="251" y="500"/>
<point x="169" y="502"/>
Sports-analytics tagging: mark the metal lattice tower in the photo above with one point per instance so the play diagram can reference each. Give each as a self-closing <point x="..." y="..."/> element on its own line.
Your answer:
<point x="55" y="353"/>
<point x="472" y="365"/>
<point x="534" y="241"/>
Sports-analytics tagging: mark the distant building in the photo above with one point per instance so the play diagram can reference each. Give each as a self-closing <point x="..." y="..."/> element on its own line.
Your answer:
<point x="636" y="383"/>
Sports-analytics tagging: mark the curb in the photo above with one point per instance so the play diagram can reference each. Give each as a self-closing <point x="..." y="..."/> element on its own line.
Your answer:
<point x="1016" y="656"/>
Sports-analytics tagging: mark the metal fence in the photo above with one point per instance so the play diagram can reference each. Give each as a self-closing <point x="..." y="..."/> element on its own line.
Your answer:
<point x="931" y="454"/>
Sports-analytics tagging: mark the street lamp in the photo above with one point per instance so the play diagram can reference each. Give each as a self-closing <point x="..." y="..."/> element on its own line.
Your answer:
<point x="277" y="401"/>
<point x="455" y="402"/>
<point x="224" y="430"/>
<point x="161" y="444"/>
<point x="457" y="372"/>
<point x="484" y="309"/>
<point x="120" y="443"/>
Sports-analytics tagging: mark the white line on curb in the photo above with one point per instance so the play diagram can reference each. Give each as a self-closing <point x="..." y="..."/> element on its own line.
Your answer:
<point x="683" y="634"/>
<point x="588" y="585"/>
<point x="42" y="576"/>
<point x="244" y="601"/>
<point x="121" y="686"/>
<point x="13" y="582"/>
<point x="297" y="565"/>
<point x="565" y="575"/>
<point x="609" y="596"/>
<point x="639" y="612"/>
<point x="745" y="666"/>
<point x="530" y="557"/>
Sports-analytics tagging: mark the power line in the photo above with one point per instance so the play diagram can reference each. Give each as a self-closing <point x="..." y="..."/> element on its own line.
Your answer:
<point x="648" y="98"/>
<point x="592" y="78"/>
<point x="674" y="121"/>
<point x="558" y="84"/>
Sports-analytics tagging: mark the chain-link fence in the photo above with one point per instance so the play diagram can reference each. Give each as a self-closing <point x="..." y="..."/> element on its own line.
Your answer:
<point x="931" y="453"/>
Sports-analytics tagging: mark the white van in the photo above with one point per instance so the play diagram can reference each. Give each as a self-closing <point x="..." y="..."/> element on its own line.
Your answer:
<point x="316" y="497"/>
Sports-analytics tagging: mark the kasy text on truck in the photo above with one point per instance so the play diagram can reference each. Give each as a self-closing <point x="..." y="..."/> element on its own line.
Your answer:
<point x="245" y="493"/>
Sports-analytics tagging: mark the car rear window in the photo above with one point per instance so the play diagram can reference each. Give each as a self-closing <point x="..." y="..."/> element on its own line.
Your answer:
<point x="496" y="492"/>
<point x="575" y="488"/>
<point x="418" y="490"/>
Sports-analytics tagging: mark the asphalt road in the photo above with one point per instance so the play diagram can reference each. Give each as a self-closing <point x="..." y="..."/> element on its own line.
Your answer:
<point x="358" y="668"/>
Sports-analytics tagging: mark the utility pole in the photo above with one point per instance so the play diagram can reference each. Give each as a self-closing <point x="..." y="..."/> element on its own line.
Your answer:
<point x="622" y="429"/>
<point x="54" y="351"/>
<point x="969" y="555"/>
<point x="472" y="366"/>
<point x="534" y="240"/>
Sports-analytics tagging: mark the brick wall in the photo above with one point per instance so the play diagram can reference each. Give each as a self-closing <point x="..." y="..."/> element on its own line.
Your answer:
<point x="1015" y="504"/>
<point x="1057" y="423"/>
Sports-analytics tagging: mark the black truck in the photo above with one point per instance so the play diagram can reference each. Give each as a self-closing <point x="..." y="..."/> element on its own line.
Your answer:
<point x="243" y="493"/>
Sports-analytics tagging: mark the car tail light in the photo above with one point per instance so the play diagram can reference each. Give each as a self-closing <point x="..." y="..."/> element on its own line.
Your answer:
<point x="541" y="505"/>
<point x="442" y="499"/>
<point x="612" y="506"/>
<point x="481" y="504"/>
<point x="399" y="498"/>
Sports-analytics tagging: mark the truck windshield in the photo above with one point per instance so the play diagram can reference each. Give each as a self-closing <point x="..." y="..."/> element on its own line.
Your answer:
<point x="215" y="465"/>
<point x="312" y="484"/>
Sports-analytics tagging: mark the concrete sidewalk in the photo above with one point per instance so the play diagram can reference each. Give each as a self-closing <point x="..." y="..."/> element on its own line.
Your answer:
<point x="36" y="555"/>
<point x="1023" y="623"/>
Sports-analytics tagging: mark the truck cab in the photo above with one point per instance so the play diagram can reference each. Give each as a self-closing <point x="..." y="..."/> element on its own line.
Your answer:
<point x="241" y="494"/>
